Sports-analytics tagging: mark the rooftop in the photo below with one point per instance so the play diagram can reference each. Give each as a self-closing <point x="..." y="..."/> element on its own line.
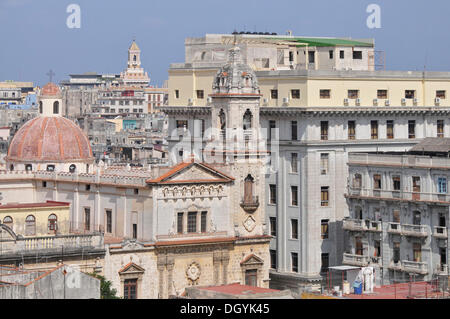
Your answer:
<point x="35" y="205"/>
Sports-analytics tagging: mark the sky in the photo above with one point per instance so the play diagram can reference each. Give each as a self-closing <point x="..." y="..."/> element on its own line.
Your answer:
<point x="35" y="37"/>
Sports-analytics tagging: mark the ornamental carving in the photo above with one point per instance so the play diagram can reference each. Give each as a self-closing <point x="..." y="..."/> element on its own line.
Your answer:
<point x="249" y="223"/>
<point x="193" y="272"/>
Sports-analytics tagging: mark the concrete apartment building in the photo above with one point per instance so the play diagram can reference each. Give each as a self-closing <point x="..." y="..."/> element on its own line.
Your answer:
<point x="319" y="117"/>
<point x="399" y="212"/>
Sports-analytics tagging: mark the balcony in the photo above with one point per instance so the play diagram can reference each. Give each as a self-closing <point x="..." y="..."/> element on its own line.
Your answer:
<point x="251" y="204"/>
<point x="442" y="269"/>
<point x="394" y="228"/>
<point x="395" y="265"/>
<point x="374" y="226"/>
<point x="354" y="224"/>
<point x="417" y="267"/>
<point x="414" y="230"/>
<point x="356" y="260"/>
<point x="440" y="232"/>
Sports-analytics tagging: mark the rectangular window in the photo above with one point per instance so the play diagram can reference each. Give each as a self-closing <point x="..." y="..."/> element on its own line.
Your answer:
<point x="295" y="94"/>
<point x="357" y="55"/>
<point x="273" y="226"/>
<point x="324" y="130"/>
<point x="200" y="94"/>
<point x="273" y="194"/>
<point x="294" y="259"/>
<point x="377" y="181"/>
<point x="351" y="130"/>
<point x="177" y="94"/>
<point x="182" y="123"/>
<point x="272" y="126"/>
<point x="410" y="94"/>
<point x="324" y="163"/>
<point x="311" y="56"/>
<point x="203" y="222"/>
<point x="440" y="128"/>
<point x="273" y="259"/>
<point x="341" y="54"/>
<point x="324" y="228"/>
<point x="325" y="94"/>
<point x="324" y="196"/>
<point x="294" y="195"/>
<point x="377" y="248"/>
<point x="180" y="223"/>
<point x="325" y="262"/>
<point x="294" y="162"/>
<point x="396" y="216"/>
<point x="442" y="185"/>
<point x="382" y="94"/>
<point x="389" y="129"/>
<point x="396" y="253"/>
<point x="412" y="129"/>
<point x="294" y="130"/>
<point x="130" y="289"/>
<point x="192" y="222"/>
<point x="87" y="218"/>
<point x="353" y="94"/>
<point x="108" y="221"/>
<point x="88" y="187"/>
<point x="417" y="252"/>
<point x="374" y="130"/>
<point x="294" y="228"/>
<point x="331" y="54"/>
<point x="274" y="94"/>
<point x="396" y="183"/>
<point x="440" y="94"/>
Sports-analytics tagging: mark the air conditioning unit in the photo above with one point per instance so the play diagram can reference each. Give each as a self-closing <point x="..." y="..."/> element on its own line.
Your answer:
<point x="190" y="100"/>
<point x="209" y="100"/>
<point x="403" y="101"/>
<point x="437" y="101"/>
<point x="345" y="101"/>
<point x="358" y="101"/>
<point x="285" y="100"/>
<point x="265" y="100"/>
<point x="387" y="103"/>
<point x="375" y="102"/>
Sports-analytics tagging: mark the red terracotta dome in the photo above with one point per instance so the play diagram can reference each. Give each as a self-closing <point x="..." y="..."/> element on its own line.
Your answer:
<point x="50" y="139"/>
<point x="50" y="89"/>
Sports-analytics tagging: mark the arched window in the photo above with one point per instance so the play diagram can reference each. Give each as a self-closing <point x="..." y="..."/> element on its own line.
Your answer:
<point x="248" y="189"/>
<point x="30" y="226"/>
<point x="52" y="223"/>
<point x="203" y="55"/>
<point x="358" y="212"/>
<point x="40" y="107"/>
<point x="416" y="218"/>
<point x="247" y="120"/>
<point x="134" y="58"/>
<point x="11" y="167"/>
<point x="56" y="107"/>
<point x="357" y="181"/>
<point x="72" y="168"/>
<point x="28" y="167"/>
<point x="50" y="168"/>
<point x="8" y="221"/>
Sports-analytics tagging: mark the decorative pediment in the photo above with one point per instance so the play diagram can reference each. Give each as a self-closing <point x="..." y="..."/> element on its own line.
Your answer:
<point x="192" y="173"/>
<point x="131" y="268"/>
<point x="252" y="260"/>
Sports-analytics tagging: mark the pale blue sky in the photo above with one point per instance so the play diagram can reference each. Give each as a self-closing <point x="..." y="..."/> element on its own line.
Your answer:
<point x="35" y="37"/>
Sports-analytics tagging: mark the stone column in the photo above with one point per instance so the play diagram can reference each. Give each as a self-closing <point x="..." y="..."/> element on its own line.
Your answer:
<point x="170" y="265"/>
<point x="225" y="262"/>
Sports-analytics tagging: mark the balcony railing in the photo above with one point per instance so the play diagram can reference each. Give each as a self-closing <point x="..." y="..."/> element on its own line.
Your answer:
<point x="440" y="232"/>
<point x="442" y="269"/>
<point x="415" y="267"/>
<point x="395" y="265"/>
<point x="394" y="228"/>
<point x="374" y="226"/>
<point x="414" y="230"/>
<point x="354" y="224"/>
<point x="355" y="260"/>
<point x="250" y="204"/>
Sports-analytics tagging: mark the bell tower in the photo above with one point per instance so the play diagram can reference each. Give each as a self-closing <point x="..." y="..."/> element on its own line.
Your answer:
<point x="134" y="56"/>
<point x="50" y="101"/>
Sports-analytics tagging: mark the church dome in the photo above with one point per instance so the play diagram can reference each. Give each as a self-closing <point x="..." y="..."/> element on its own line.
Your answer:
<point x="235" y="77"/>
<point x="50" y="139"/>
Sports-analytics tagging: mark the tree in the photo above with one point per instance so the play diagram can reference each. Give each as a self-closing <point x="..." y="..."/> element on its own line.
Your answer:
<point x="106" y="292"/>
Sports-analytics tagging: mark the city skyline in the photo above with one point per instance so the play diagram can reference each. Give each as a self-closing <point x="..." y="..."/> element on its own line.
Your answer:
<point x="50" y="44"/>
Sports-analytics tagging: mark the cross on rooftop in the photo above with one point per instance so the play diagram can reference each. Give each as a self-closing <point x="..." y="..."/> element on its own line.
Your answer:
<point x="50" y="74"/>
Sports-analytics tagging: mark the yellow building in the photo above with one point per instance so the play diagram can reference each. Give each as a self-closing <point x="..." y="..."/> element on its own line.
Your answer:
<point x="36" y="219"/>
